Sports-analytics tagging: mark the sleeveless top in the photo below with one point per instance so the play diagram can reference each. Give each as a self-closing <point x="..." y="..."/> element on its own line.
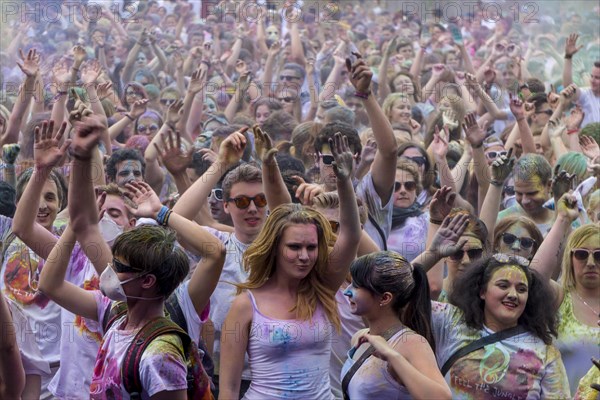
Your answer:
<point x="373" y="380"/>
<point x="577" y="342"/>
<point x="289" y="359"/>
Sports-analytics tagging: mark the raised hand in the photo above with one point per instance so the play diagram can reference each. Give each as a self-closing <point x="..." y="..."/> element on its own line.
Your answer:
<point x="390" y="47"/>
<point x="263" y="145"/>
<point x="567" y="206"/>
<point x="198" y="80"/>
<point x="147" y="202"/>
<point x="104" y="90"/>
<point x="10" y="152"/>
<point x="446" y="240"/>
<point x="79" y="54"/>
<point x="80" y="109"/>
<point x="232" y="148"/>
<point x="517" y="107"/>
<point x="502" y="167"/>
<point x="576" y="117"/>
<point x="556" y="129"/>
<point x="437" y="70"/>
<point x="553" y="97"/>
<point x="367" y="156"/>
<point x="46" y="150"/>
<point x="449" y="120"/>
<point x="31" y="63"/>
<point x="174" y="113"/>
<point x="360" y="74"/>
<point x="88" y="132"/>
<point x="274" y="49"/>
<point x="589" y="147"/>
<point x="568" y="93"/>
<point x="91" y="72"/>
<point x="138" y="108"/>
<point x="562" y="182"/>
<point x="306" y="192"/>
<point x="571" y="47"/>
<point x="343" y="157"/>
<point x="441" y="204"/>
<point x="474" y="134"/>
<point x="439" y="145"/>
<point x="175" y="158"/>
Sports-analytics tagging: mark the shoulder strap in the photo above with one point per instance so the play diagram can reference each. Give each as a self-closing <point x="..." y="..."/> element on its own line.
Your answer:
<point x="368" y="353"/>
<point x="130" y="369"/>
<point x="379" y="230"/>
<point x="175" y="312"/>
<point x="478" y="344"/>
<point x="116" y="311"/>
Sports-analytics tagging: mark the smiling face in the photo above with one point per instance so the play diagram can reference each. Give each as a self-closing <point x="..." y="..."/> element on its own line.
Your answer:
<point x="587" y="272"/>
<point x="505" y="297"/>
<point x="49" y="205"/>
<point x="400" y="112"/>
<point x="248" y="221"/>
<point x="297" y="251"/>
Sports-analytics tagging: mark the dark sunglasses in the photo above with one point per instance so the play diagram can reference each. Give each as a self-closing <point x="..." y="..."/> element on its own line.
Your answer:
<point x="151" y="128"/>
<point x="509" y="190"/>
<point x="584" y="254"/>
<point x="524" y="242"/>
<point x="328" y="159"/>
<point x="547" y="112"/>
<point x="243" y="202"/>
<point x="132" y="93"/>
<point x="474" y="254"/>
<point x="288" y="77"/>
<point x="286" y="99"/>
<point x="167" y="102"/>
<point x="335" y="226"/>
<point x="492" y="155"/>
<point x="217" y="193"/>
<point x="420" y="160"/>
<point x="409" y="186"/>
<point x="122" y="268"/>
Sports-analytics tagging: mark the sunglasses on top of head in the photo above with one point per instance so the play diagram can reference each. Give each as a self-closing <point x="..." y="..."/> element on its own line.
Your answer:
<point x="243" y="202"/>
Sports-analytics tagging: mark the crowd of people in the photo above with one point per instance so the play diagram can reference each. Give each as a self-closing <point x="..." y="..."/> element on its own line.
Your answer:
<point x="299" y="200"/>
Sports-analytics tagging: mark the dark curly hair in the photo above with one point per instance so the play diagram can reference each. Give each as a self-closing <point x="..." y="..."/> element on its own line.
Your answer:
<point x="328" y="132"/>
<point x="122" y="155"/>
<point x="537" y="318"/>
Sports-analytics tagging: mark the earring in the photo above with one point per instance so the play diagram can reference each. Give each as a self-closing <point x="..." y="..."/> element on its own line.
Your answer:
<point x="380" y="304"/>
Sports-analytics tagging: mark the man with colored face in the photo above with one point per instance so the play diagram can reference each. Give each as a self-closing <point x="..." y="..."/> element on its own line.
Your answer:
<point x="124" y="166"/>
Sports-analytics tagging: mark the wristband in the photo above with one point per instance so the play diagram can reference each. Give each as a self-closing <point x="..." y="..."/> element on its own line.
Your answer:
<point x="166" y="218"/>
<point x="435" y="221"/>
<point x="80" y="158"/>
<point x="496" y="183"/>
<point x="160" y="218"/>
<point x="568" y="57"/>
<point x="362" y="95"/>
<point x="572" y="131"/>
<point x="478" y="146"/>
<point x="130" y="117"/>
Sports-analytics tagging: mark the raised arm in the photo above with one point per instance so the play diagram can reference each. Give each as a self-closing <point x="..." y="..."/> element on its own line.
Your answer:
<point x="273" y="183"/>
<point x="518" y="110"/>
<point x="230" y="152"/>
<point x="475" y="136"/>
<point x="346" y="245"/>
<point x="384" y="164"/>
<point x="191" y="235"/>
<point x="47" y="155"/>
<point x="52" y="280"/>
<point x="83" y="210"/>
<point x="384" y="85"/>
<point x="571" y="49"/>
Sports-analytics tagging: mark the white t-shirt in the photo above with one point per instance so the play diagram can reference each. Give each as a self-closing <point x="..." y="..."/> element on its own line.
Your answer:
<point x="222" y="297"/>
<point x="162" y="365"/>
<point x="590" y="105"/>
<point x="381" y="213"/>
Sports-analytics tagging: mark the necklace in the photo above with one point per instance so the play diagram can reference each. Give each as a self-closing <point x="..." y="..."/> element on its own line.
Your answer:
<point x="586" y="304"/>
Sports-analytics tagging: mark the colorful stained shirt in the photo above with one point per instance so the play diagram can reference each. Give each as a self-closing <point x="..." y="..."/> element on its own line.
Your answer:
<point x="520" y="367"/>
<point x="585" y="391"/>
<point x="410" y="239"/>
<point x="162" y="365"/>
<point x="577" y="342"/>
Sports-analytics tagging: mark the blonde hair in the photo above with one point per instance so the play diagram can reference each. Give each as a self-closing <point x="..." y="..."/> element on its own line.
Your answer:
<point x="260" y="260"/>
<point x="332" y="200"/>
<point x="391" y="99"/>
<point x="576" y="239"/>
<point x="593" y="202"/>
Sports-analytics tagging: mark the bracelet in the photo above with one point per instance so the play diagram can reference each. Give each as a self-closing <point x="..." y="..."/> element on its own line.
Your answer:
<point x="160" y="218"/>
<point x="166" y="218"/>
<point x="572" y="131"/>
<point x="362" y="95"/>
<point x="80" y="158"/>
<point x="435" y="221"/>
<point x="130" y="117"/>
<point x="496" y="183"/>
<point x="568" y="56"/>
<point x="478" y="146"/>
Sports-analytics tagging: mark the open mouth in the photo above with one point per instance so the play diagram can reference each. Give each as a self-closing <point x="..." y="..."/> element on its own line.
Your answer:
<point x="43" y="215"/>
<point x="509" y="304"/>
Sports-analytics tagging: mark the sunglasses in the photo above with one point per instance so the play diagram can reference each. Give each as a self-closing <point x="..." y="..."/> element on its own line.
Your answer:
<point x="328" y="159"/>
<point x="547" y="112"/>
<point x="509" y="190"/>
<point x="288" y="77"/>
<point x="584" y="254"/>
<point x="151" y="128"/>
<point x="420" y="160"/>
<point x="132" y="93"/>
<point x="409" y="186"/>
<point x="167" y="102"/>
<point x="335" y="226"/>
<point x="474" y="254"/>
<point x="243" y="202"/>
<point x="524" y="242"/>
<point x="122" y="268"/>
<point x="492" y="155"/>
<point x="217" y="194"/>
<point x="286" y="99"/>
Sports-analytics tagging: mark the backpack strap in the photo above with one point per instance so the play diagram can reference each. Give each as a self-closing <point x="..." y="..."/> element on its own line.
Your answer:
<point x="116" y="311"/>
<point x="175" y="311"/>
<point x="478" y="344"/>
<point x="379" y="230"/>
<point x="130" y="370"/>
